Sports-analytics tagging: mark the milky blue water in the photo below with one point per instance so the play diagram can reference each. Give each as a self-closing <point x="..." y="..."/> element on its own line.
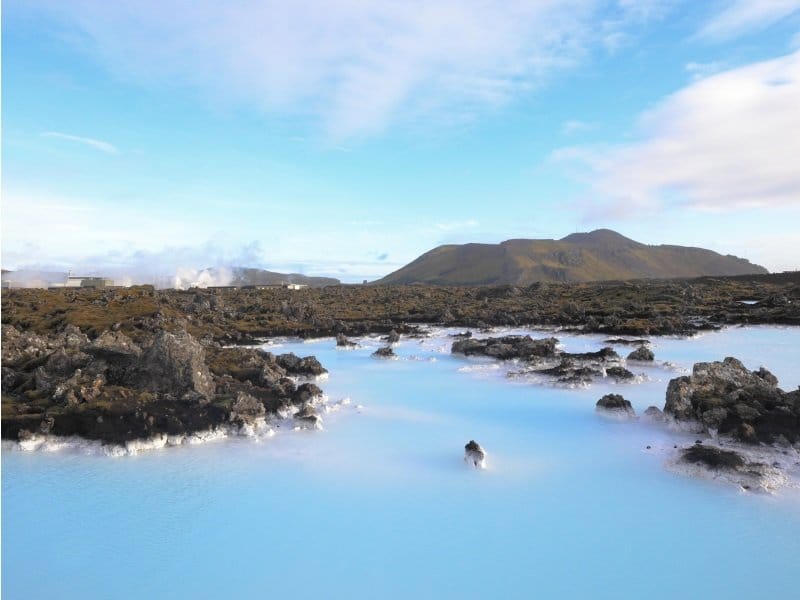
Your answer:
<point x="381" y="505"/>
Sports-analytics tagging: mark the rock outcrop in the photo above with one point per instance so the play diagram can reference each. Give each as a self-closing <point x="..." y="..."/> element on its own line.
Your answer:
<point x="117" y="390"/>
<point x="507" y="347"/>
<point x="726" y="398"/>
<point x="543" y="357"/>
<point x="642" y="353"/>
<point x="175" y="364"/>
<point x="385" y="352"/>
<point x="616" y="405"/>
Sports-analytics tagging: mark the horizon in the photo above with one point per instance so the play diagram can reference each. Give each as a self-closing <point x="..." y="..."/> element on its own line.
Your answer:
<point x="329" y="139"/>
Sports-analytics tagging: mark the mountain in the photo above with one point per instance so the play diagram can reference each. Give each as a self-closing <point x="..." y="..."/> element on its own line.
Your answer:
<point x="248" y="276"/>
<point x="599" y="255"/>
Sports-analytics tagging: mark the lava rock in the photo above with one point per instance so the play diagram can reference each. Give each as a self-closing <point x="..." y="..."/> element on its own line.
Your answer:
<point x="653" y="413"/>
<point x="620" y="373"/>
<point x="175" y="364"/>
<point x="343" y="342"/>
<point x="615" y="404"/>
<point x="474" y="454"/>
<point x="642" y="353"/>
<point x="385" y="352"/>
<point x="507" y="347"/>
<point x="720" y="397"/>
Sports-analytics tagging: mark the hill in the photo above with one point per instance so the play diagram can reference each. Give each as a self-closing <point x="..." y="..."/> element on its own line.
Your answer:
<point x="600" y="255"/>
<point x="248" y="276"/>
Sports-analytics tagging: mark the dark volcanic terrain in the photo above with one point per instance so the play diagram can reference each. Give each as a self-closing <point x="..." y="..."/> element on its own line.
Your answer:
<point x="131" y="363"/>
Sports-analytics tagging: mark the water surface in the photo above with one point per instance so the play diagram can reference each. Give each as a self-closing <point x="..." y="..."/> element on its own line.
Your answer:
<point x="380" y="503"/>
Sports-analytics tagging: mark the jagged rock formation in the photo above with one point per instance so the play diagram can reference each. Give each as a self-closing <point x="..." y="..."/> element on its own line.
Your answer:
<point x="727" y="398"/>
<point x="117" y="390"/>
<point x="542" y="357"/>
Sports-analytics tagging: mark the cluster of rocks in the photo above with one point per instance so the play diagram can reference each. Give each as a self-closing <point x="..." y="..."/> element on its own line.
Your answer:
<point x="114" y="389"/>
<point x="543" y="357"/>
<point x="754" y="425"/>
<point x="725" y="398"/>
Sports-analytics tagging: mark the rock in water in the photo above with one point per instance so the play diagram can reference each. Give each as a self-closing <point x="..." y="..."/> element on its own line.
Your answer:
<point x="653" y="413"/>
<point x="307" y="418"/>
<point x="475" y="455"/>
<point x="393" y="337"/>
<point x="616" y="405"/>
<point x="343" y="342"/>
<point x="642" y="353"/>
<point x="729" y="466"/>
<point x="727" y="398"/>
<point x="385" y="352"/>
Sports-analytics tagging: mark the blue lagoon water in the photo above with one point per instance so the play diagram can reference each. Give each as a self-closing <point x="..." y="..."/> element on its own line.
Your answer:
<point x="381" y="505"/>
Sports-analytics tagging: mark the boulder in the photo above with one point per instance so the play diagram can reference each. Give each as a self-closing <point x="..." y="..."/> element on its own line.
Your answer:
<point x="175" y="364"/>
<point x="619" y="373"/>
<point x="114" y="344"/>
<point x="475" y="455"/>
<point x="393" y="337"/>
<point x="642" y="353"/>
<point x="653" y="413"/>
<point x="343" y="342"/>
<point x="307" y="418"/>
<point x="304" y="367"/>
<point x="306" y="393"/>
<point x="615" y="404"/>
<point x="724" y="397"/>
<point x="246" y="409"/>
<point x="385" y="352"/>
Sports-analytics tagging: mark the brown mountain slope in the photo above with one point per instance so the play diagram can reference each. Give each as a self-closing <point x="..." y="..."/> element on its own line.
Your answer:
<point x="596" y="256"/>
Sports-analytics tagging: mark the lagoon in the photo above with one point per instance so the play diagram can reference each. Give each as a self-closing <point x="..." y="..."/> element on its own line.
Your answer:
<point x="380" y="504"/>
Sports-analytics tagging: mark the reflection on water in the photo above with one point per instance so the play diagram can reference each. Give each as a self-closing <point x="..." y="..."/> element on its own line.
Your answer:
<point x="380" y="503"/>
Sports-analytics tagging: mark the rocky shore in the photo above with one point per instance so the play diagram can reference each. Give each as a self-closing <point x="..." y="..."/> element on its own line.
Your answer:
<point x="115" y="390"/>
<point x="127" y="364"/>
<point x="639" y="308"/>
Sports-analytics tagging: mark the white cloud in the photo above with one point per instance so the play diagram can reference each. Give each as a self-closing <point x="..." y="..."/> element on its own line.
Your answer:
<point x="86" y="141"/>
<point x="745" y="16"/>
<point x="574" y="126"/>
<point x="456" y="225"/>
<point x="700" y="70"/>
<point x="725" y="142"/>
<point x="356" y="66"/>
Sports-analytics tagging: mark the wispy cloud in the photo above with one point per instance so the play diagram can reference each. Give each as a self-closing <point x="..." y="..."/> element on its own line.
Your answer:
<point x="456" y="225"/>
<point x="699" y="70"/>
<point x="745" y="16"/>
<point x="358" y="67"/>
<point x="86" y="141"/>
<point x="720" y="144"/>
<point x="574" y="126"/>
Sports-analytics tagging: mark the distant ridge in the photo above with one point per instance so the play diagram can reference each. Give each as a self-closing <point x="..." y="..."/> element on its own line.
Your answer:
<point x="599" y="255"/>
<point x="249" y="276"/>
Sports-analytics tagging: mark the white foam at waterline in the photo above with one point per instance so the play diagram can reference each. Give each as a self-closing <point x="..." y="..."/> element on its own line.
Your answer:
<point x="480" y="368"/>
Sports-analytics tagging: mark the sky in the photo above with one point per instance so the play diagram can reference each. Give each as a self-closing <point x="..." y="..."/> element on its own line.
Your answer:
<point x="345" y="138"/>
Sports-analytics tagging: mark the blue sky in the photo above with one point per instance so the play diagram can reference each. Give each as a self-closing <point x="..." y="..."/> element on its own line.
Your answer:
<point x="345" y="138"/>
